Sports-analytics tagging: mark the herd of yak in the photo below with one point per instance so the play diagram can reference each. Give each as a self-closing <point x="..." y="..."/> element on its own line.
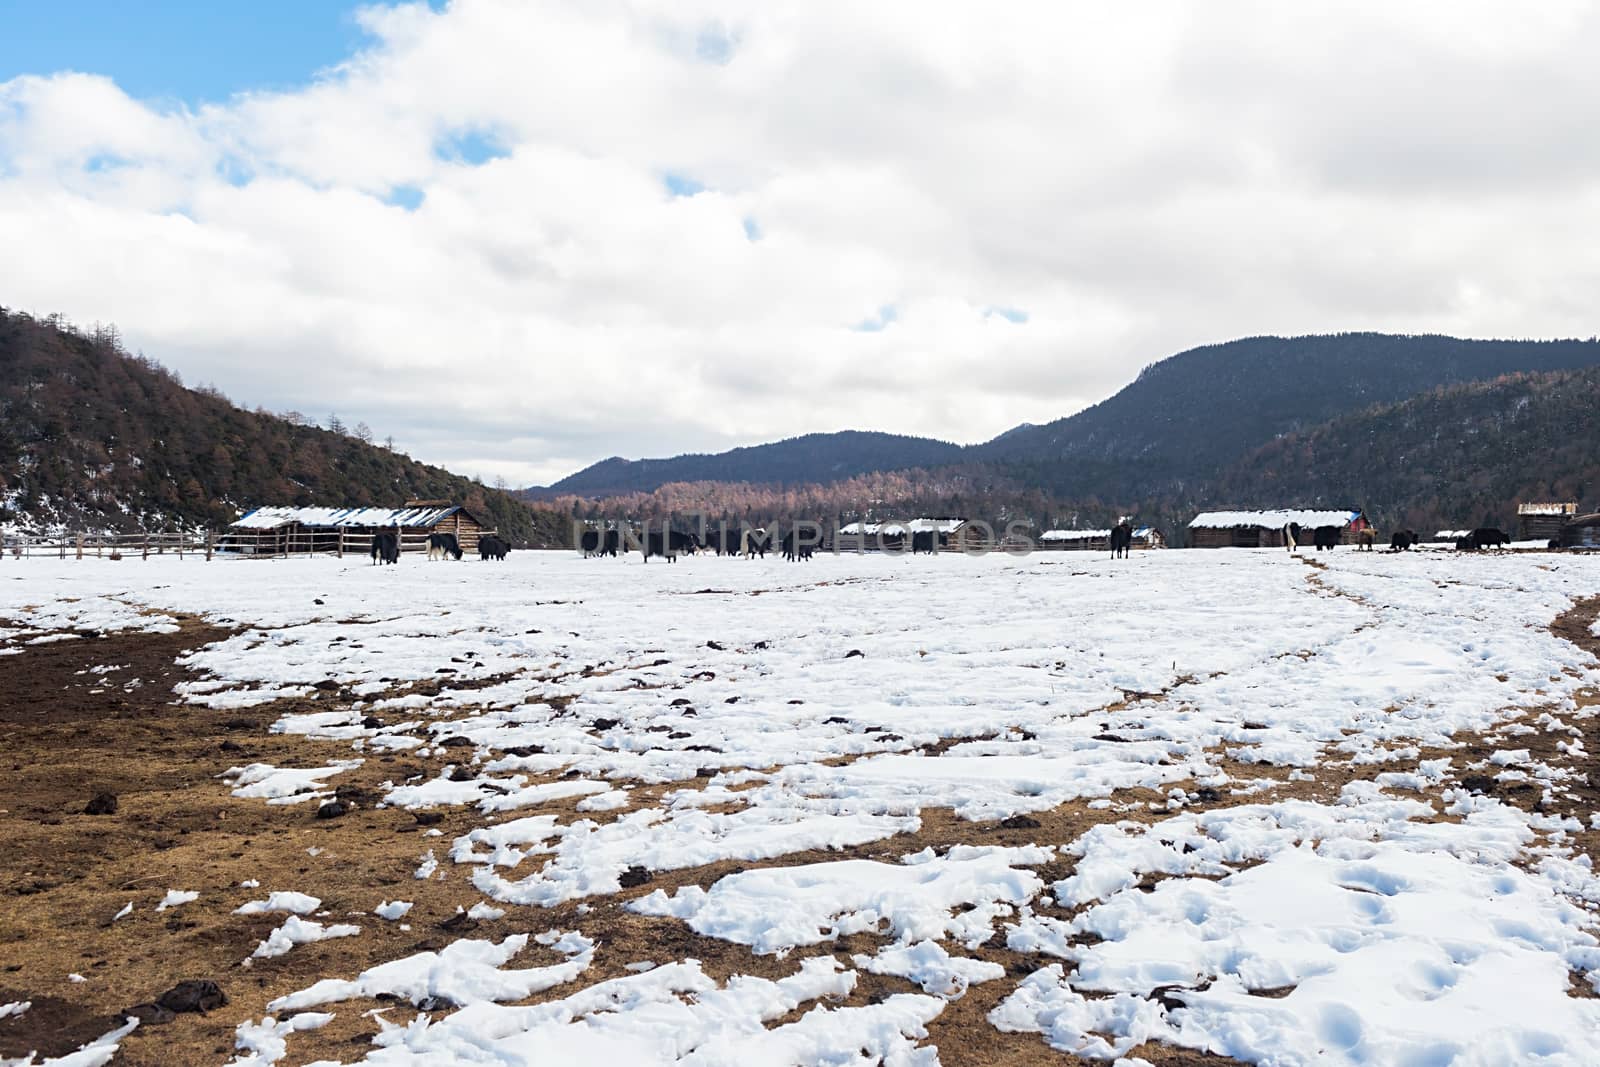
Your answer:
<point x="801" y="542"/>
<point x="1327" y="537"/>
<point x="798" y="544"/>
<point x="386" y="547"/>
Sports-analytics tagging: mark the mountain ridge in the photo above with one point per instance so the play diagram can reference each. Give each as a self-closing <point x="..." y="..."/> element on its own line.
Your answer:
<point x="787" y="461"/>
<point x="1182" y="420"/>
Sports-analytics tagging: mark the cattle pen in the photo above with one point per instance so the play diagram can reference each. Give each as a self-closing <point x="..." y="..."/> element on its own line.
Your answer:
<point x="277" y="532"/>
<point x="265" y="533"/>
<point x="1144" y="537"/>
<point x="1266" y="529"/>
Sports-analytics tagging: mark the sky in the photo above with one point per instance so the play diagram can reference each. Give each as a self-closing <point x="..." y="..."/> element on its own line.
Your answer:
<point x="520" y="236"/>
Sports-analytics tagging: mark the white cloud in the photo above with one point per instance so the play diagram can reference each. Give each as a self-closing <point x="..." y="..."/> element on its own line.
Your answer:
<point x="1133" y="181"/>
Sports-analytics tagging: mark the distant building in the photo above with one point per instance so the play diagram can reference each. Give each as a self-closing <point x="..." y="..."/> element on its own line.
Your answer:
<point x="893" y="536"/>
<point x="278" y="531"/>
<point x="1097" y="540"/>
<point x="1543" y="522"/>
<point x="1264" y="529"/>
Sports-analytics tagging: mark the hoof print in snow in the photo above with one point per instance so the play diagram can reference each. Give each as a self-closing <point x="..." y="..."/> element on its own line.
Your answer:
<point x="427" y="818"/>
<point x="1020" y="822"/>
<point x="149" y="1014"/>
<point x="797" y="701"/>
<point x="605" y="724"/>
<point x="333" y="809"/>
<point x="197" y="995"/>
<point x="634" y="876"/>
<point x="317" y="601"/>
<point x="458" y="923"/>
<point x="456" y="741"/>
<point x="854" y="653"/>
<point x="101" y="804"/>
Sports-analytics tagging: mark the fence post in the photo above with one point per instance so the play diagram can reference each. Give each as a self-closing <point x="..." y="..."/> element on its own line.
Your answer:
<point x="208" y="546"/>
<point x="145" y="554"/>
<point x="80" y="546"/>
<point x="340" y="550"/>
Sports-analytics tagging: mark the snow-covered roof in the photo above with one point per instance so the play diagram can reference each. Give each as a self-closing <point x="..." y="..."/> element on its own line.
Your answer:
<point x="1451" y="535"/>
<point x="1228" y="520"/>
<point x="896" y="529"/>
<point x="272" y="518"/>
<point x="1087" y="535"/>
<point x="1547" y="509"/>
<point x="943" y="525"/>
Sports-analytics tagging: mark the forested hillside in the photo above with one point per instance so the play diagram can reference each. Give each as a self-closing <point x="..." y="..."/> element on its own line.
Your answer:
<point x="1167" y="436"/>
<point x="811" y="459"/>
<point x="962" y="490"/>
<point x="1462" y="455"/>
<point x="91" y="437"/>
<point x="1189" y="417"/>
<point x="1455" y="456"/>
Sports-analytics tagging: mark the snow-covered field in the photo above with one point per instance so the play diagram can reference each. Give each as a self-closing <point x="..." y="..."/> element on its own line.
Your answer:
<point x="1274" y="852"/>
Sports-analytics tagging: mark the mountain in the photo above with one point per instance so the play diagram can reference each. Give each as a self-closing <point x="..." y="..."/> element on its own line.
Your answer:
<point x="93" y="438"/>
<point x="1456" y="456"/>
<point x="1166" y="435"/>
<point x="817" y="458"/>
<point x="1191" y="415"/>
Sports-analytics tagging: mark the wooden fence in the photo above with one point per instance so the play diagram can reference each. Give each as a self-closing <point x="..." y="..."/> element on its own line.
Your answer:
<point x="231" y="544"/>
<point x="106" y="546"/>
<point x="300" y="541"/>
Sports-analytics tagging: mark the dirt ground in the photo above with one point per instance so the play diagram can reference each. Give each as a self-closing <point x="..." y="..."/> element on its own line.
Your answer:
<point x="65" y="874"/>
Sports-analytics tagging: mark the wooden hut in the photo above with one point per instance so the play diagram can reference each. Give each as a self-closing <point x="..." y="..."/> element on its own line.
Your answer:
<point x="1097" y="540"/>
<point x="897" y="536"/>
<point x="1543" y="522"/>
<point x="276" y="531"/>
<point x="1264" y="529"/>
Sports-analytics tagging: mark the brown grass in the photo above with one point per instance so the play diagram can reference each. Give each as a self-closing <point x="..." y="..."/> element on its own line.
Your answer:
<point x="64" y="874"/>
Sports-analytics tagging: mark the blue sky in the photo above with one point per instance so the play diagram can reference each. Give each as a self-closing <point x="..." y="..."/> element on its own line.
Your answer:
<point x="190" y="50"/>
